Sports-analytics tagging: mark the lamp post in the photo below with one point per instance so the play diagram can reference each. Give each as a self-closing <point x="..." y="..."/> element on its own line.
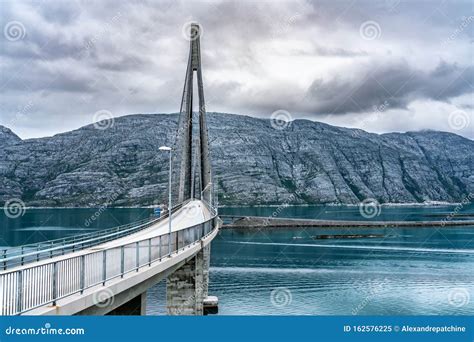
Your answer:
<point x="168" y="149"/>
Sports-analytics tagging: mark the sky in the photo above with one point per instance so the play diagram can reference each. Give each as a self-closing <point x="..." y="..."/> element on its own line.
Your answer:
<point x="381" y="66"/>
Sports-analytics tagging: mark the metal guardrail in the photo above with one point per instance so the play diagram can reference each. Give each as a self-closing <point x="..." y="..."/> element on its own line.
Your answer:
<point x="16" y="256"/>
<point x="35" y="286"/>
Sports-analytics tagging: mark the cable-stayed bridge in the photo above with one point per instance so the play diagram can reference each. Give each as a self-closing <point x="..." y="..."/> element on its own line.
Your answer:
<point x="109" y="272"/>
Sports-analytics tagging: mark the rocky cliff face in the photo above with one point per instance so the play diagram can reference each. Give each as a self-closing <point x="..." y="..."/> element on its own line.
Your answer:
<point x="307" y="162"/>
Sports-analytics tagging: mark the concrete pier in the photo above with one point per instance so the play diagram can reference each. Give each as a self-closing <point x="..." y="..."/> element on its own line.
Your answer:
<point x="206" y="263"/>
<point x="187" y="287"/>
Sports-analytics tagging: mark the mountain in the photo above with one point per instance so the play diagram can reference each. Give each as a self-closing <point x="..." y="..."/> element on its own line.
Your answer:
<point x="7" y="137"/>
<point x="307" y="162"/>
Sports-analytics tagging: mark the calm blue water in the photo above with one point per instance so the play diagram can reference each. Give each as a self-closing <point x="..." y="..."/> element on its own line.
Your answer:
<point x="293" y="271"/>
<point x="46" y="224"/>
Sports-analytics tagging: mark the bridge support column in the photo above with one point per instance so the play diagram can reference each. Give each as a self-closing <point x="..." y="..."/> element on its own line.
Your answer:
<point x="186" y="288"/>
<point x="206" y="261"/>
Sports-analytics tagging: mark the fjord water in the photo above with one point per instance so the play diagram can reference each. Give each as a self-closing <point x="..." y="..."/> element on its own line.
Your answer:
<point x="422" y="271"/>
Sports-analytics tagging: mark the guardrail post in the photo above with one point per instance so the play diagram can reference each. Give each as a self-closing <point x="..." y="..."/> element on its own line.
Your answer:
<point x="169" y="244"/>
<point x="138" y="254"/>
<point x="22" y="258"/>
<point x="4" y="261"/>
<point x="159" y="249"/>
<point x="55" y="285"/>
<point x="83" y="273"/>
<point x="38" y="253"/>
<point x="122" y="262"/>
<point x="104" y="267"/>
<point x="19" y="289"/>
<point x="149" y="252"/>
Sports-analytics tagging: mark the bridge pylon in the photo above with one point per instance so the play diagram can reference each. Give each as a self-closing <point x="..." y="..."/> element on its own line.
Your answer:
<point x="187" y="187"/>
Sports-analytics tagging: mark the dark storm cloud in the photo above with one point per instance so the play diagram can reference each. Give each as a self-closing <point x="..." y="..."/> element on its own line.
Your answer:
<point x="337" y="52"/>
<point x="307" y="57"/>
<point x="123" y="63"/>
<point x="397" y="85"/>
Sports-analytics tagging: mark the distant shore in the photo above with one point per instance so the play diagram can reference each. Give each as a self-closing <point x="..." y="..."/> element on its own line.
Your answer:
<point x="252" y="222"/>
<point x="414" y="204"/>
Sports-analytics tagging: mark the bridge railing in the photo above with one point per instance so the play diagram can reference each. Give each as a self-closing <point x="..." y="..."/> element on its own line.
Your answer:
<point x="16" y="256"/>
<point x="31" y="287"/>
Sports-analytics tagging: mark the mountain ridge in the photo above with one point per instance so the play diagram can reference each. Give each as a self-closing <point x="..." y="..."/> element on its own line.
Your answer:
<point x="307" y="162"/>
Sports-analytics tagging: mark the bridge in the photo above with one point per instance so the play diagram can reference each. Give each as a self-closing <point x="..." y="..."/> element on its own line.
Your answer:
<point x="110" y="271"/>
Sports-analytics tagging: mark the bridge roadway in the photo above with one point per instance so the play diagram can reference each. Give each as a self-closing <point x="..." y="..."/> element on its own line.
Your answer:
<point x="102" y="278"/>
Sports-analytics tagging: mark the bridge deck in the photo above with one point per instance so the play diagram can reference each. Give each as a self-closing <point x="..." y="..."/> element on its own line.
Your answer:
<point x="36" y="284"/>
<point x="192" y="213"/>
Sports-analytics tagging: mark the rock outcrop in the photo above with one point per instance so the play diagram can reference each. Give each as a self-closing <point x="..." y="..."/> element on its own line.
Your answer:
<point x="307" y="162"/>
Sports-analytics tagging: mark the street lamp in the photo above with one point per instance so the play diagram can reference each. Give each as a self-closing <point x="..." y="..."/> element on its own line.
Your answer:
<point x="168" y="149"/>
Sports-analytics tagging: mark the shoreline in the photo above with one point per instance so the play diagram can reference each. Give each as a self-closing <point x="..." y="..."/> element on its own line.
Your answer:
<point x="256" y="222"/>
<point x="390" y="205"/>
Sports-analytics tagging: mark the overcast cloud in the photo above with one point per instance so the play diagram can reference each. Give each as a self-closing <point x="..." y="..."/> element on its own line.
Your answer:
<point x="381" y="66"/>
